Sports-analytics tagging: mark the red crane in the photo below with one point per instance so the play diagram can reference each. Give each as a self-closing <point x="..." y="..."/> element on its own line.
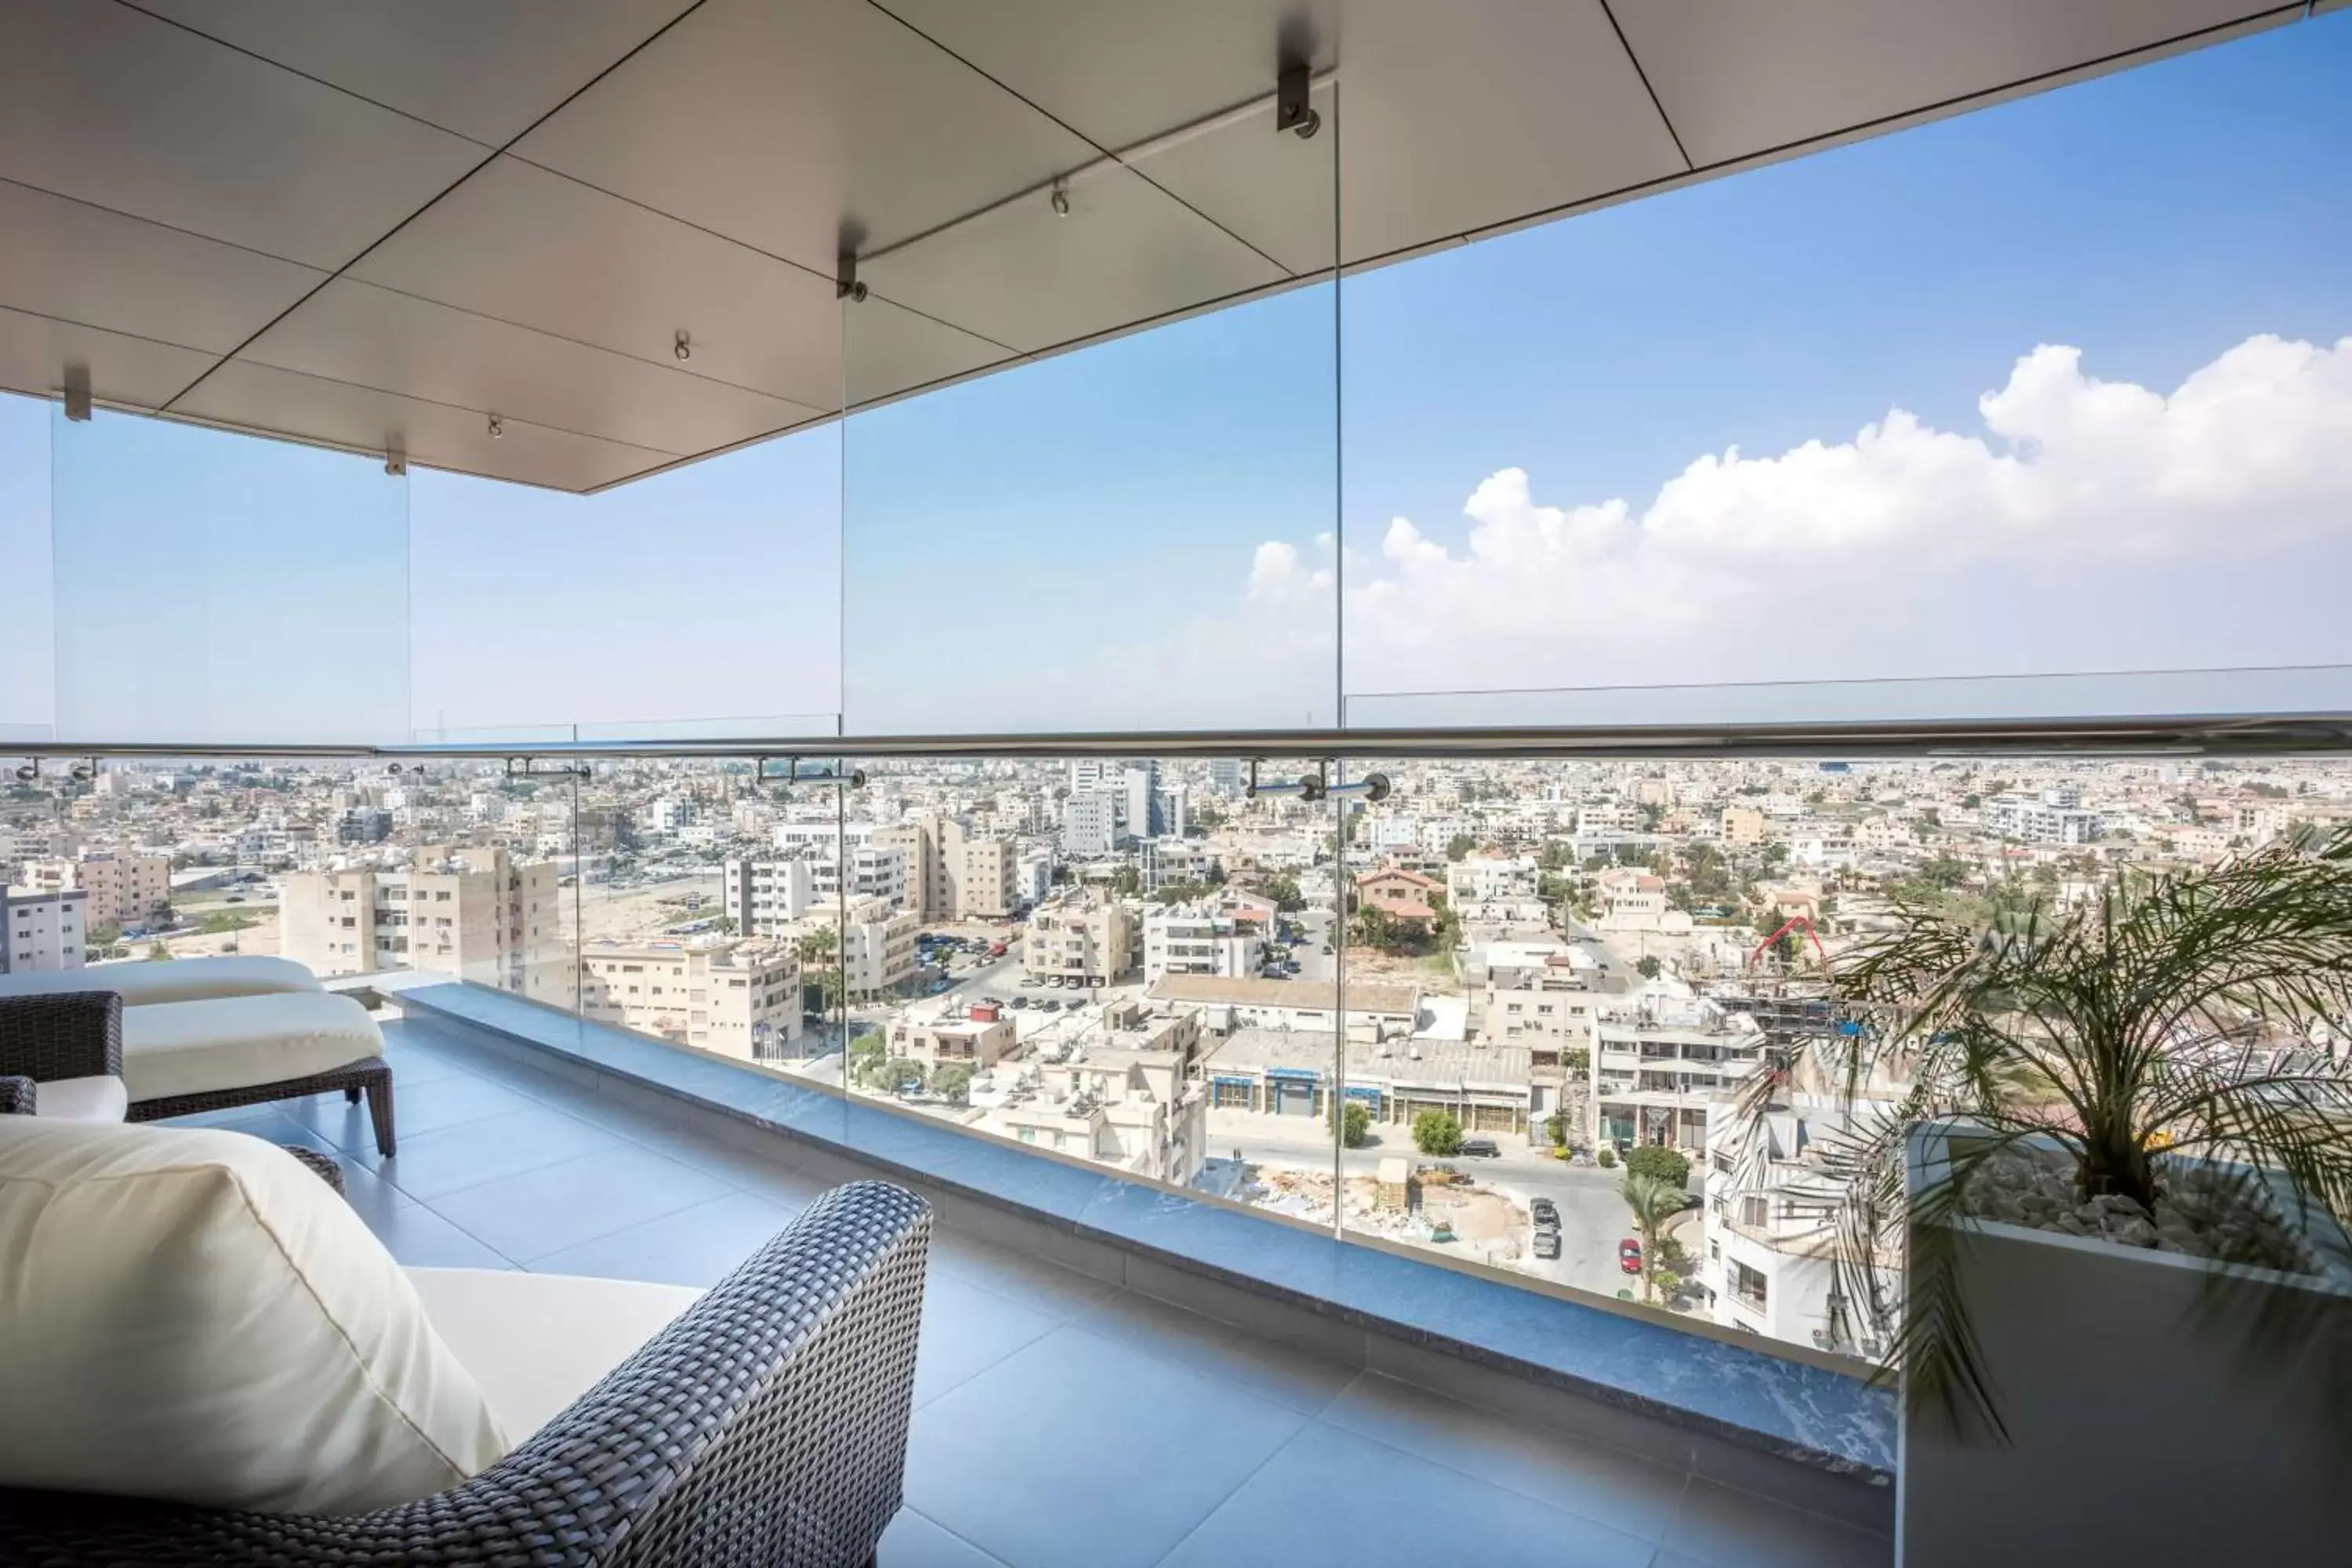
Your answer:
<point x="1792" y="922"/>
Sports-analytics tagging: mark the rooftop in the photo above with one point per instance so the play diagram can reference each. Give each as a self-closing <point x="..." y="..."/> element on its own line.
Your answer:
<point x="1306" y="995"/>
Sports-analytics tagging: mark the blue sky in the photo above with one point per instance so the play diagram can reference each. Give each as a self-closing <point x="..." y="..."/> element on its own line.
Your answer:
<point x="1128" y="536"/>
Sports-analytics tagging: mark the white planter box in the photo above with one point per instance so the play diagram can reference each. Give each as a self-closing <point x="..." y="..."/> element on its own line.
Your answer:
<point x="2134" y="1438"/>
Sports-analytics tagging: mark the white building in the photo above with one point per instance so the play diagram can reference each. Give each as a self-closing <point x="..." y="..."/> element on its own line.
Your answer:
<point x="468" y="911"/>
<point x="739" y="999"/>
<point x="2056" y="816"/>
<point x="1661" y="1061"/>
<point x="1769" y="1242"/>
<point x="763" y="896"/>
<point x="1089" y="824"/>
<point x="42" y="930"/>
<point x="1190" y="940"/>
<point x="126" y="890"/>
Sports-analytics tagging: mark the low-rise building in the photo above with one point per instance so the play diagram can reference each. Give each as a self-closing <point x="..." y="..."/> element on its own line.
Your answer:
<point x="1660" y="1061"/>
<point x="740" y="999"/>
<point x="1083" y="937"/>
<point x="1128" y="1095"/>
<point x="1227" y="1005"/>
<point x="1196" y="939"/>
<point x="126" y="890"/>
<point x="1407" y="898"/>
<point x="874" y="949"/>
<point x="977" y="1039"/>
<point x="470" y="911"/>
<point x="1294" y="1072"/>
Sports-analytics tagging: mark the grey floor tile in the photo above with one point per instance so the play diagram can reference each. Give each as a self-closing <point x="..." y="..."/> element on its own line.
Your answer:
<point x="420" y="1238"/>
<point x="966" y="1330"/>
<point x="1726" y="1529"/>
<point x="1079" y="1452"/>
<point x="1331" y="1498"/>
<point x="914" y="1541"/>
<point x="698" y="1245"/>
<point x="452" y="1101"/>
<point x="760" y="1176"/>
<point x="1048" y="1286"/>
<point x="411" y="1067"/>
<point x="1617" y="1490"/>
<point x="556" y="1207"/>
<point x="451" y="1158"/>
<point x="1305" y="1381"/>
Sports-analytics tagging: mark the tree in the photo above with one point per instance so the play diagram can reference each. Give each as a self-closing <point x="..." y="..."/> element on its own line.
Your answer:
<point x="954" y="1084"/>
<point x="1374" y="928"/>
<point x="1605" y="1157"/>
<point x="1659" y="1164"/>
<point x="1437" y="1132"/>
<point x="1283" y="891"/>
<point x="1355" y="1124"/>
<point x="1446" y="929"/>
<point x="1459" y="847"/>
<point x="1647" y="966"/>
<point x="1126" y="882"/>
<point x="867" y="1057"/>
<point x="1654" y="1203"/>
<point x="157" y="953"/>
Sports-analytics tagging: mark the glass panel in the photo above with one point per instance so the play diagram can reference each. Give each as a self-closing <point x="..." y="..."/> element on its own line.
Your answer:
<point x="1895" y="430"/>
<point x="27" y="627"/>
<point x="219" y="587"/>
<point x="1129" y="534"/>
<point x="698" y="604"/>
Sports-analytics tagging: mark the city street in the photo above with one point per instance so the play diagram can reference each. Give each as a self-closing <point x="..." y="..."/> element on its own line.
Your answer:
<point x="1592" y="1216"/>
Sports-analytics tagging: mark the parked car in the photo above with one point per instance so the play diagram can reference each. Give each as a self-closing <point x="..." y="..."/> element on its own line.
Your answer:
<point x="1482" y="1147"/>
<point x="1020" y="1002"/>
<point x="1546" y="1244"/>
<point x="1629" y="1256"/>
<point x="1051" y="1004"/>
<point x="1545" y="1211"/>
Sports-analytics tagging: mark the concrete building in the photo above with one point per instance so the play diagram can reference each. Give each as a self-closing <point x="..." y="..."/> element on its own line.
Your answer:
<point x="470" y="911"/>
<point x="1089" y="824"/>
<point x="877" y="946"/>
<point x="43" y="931"/>
<point x="1175" y="862"/>
<point x="1140" y="800"/>
<point x="1226" y="775"/>
<point x="1743" y="827"/>
<point x="762" y="897"/>
<point x="978" y="1039"/>
<point x="740" y="999"/>
<point x="1407" y="898"/>
<point x="952" y="872"/>
<point x="1227" y="1005"/>
<point x="1767" y="1257"/>
<point x="2056" y="816"/>
<point x="1661" y="1061"/>
<point x="1082" y="938"/>
<point x="1126" y="1095"/>
<point x="126" y="890"/>
<point x="1293" y="1072"/>
<point x="1196" y="940"/>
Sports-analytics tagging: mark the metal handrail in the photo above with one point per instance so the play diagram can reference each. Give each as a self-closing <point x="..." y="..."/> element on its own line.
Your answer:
<point x="2272" y="734"/>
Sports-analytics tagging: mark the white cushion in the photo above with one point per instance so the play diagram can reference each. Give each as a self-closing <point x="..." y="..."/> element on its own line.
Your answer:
<point x="141" y="984"/>
<point x="99" y="1098"/>
<point x="189" y="1313"/>
<point x="536" y="1342"/>
<point x="235" y="1042"/>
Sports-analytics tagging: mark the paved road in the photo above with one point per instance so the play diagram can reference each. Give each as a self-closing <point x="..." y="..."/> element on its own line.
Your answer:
<point x="1592" y="1216"/>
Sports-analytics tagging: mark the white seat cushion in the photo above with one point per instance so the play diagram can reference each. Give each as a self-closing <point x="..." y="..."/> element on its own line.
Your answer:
<point x="536" y="1342"/>
<point x="235" y="1042"/>
<point x="189" y="1313"/>
<point x="99" y="1098"/>
<point x="141" y="983"/>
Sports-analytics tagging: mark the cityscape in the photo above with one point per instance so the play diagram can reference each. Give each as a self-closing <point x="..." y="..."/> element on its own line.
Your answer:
<point x="1458" y="1010"/>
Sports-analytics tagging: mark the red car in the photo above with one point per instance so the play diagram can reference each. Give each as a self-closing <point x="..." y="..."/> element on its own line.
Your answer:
<point x="1629" y="1256"/>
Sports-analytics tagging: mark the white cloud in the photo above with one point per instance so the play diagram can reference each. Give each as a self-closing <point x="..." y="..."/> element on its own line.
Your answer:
<point x="2046" y="541"/>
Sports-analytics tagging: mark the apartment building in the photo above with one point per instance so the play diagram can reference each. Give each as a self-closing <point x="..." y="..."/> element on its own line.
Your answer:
<point x="470" y="911"/>
<point x="1126" y="1095"/>
<point x="877" y="946"/>
<point x="762" y="897"/>
<point x="1482" y="879"/>
<point x="41" y="931"/>
<point x="1743" y="827"/>
<point x="1768" y="1253"/>
<point x="1196" y="939"/>
<point x="1089" y="824"/>
<point x="1081" y="937"/>
<point x="1176" y="862"/>
<point x="1661" y="1061"/>
<point x="952" y="872"/>
<point x="126" y="890"/>
<point x="978" y="1039"/>
<point x="2056" y="816"/>
<point x="740" y="999"/>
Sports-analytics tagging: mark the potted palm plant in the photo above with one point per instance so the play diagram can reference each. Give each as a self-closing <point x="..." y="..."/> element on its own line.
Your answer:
<point x="2091" y="1188"/>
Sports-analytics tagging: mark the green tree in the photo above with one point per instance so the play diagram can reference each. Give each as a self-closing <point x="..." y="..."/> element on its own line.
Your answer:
<point x="1126" y="882"/>
<point x="1355" y="1123"/>
<point x="1374" y="928"/>
<point x="1605" y="1157"/>
<point x="157" y="953"/>
<point x="1647" y="966"/>
<point x="1282" y="892"/>
<point x="1654" y="1203"/>
<point x="1459" y="847"/>
<point x="954" y="1084"/>
<point x="1437" y="1132"/>
<point x="867" y="1055"/>
<point x="1668" y="1165"/>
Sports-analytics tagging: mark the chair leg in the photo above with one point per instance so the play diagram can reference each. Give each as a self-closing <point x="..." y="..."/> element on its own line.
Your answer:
<point x="379" y="1098"/>
<point x="352" y="1096"/>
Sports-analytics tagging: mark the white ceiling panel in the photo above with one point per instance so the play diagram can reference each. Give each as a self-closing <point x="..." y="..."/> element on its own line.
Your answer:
<point x="485" y="70"/>
<point x="80" y="263"/>
<point x="891" y="351"/>
<point x="526" y="246"/>
<point x="1023" y="276"/>
<point x="104" y="103"/>
<point x="1738" y="78"/>
<point x="36" y="350"/>
<point x="1122" y="71"/>
<point x="1271" y="188"/>
<point x="256" y="397"/>
<point x="779" y="121"/>
<point x="1456" y="117"/>
<point x="355" y="332"/>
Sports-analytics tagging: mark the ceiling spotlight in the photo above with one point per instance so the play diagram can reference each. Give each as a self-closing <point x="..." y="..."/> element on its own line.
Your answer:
<point x="684" y="347"/>
<point x="1061" y="201"/>
<point x="498" y="427"/>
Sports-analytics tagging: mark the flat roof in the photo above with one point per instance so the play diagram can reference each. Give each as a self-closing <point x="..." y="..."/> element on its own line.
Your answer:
<point x="1306" y="995"/>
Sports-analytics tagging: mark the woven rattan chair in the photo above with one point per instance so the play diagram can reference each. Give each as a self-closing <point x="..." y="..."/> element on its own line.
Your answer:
<point x="764" y="1428"/>
<point x="47" y="1038"/>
